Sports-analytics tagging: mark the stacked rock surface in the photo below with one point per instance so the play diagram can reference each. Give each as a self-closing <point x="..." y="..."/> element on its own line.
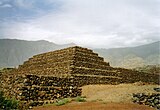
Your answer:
<point x="61" y="73"/>
<point x="152" y="100"/>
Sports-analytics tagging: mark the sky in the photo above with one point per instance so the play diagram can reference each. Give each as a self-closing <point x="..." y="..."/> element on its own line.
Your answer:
<point x="90" y="23"/>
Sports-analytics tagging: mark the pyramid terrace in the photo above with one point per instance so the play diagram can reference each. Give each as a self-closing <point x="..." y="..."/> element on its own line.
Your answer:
<point x="61" y="73"/>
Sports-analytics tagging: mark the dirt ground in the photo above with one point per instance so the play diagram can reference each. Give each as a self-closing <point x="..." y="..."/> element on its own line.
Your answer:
<point x="115" y="93"/>
<point x="96" y="106"/>
<point x="107" y="97"/>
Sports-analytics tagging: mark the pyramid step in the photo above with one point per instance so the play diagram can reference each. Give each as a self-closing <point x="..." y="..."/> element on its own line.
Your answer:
<point x="102" y="65"/>
<point x="95" y="79"/>
<point x="93" y="71"/>
<point x="65" y="57"/>
<point x="63" y="52"/>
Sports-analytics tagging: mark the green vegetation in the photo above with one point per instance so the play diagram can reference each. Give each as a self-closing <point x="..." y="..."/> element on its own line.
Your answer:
<point x="62" y="101"/>
<point x="80" y="99"/>
<point x="68" y="100"/>
<point x="7" y="104"/>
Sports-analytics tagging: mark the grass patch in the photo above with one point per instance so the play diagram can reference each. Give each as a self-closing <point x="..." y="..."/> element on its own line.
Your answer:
<point x="80" y="99"/>
<point x="93" y="100"/>
<point x="7" y="104"/>
<point x="99" y="100"/>
<point x="63" y="101"/>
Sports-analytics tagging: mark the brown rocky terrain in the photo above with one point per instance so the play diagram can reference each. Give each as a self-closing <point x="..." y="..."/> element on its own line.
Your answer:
<point x="44" y="78"/>
<point x="107" y="97"/>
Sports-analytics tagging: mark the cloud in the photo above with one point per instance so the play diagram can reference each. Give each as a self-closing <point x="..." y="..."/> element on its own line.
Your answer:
<point x="24" y="4"/>
<point x="6" y="6"/>
<point x="92" y="23"/>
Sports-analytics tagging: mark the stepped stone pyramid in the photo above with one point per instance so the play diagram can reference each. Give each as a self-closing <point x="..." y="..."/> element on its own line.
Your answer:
<point x="61" y="73"/>
<point x="74" y="62"/>
<point x="65" y="61"/>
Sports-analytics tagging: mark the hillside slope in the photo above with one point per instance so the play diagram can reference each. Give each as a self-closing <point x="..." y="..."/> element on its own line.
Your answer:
<point x="131" y="57"/>
<point x="14" y="52"/>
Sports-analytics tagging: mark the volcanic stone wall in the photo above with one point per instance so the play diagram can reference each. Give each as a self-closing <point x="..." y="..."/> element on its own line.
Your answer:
<point x="60" y="61"/>
<point x="42" y="88"/>
<point x="152" y="100"/>
<point x="131" y="76"/>
<point x="51" y="63"/>
<point x="47" y="77"/>
<point x="90" y="66"/>
<point x="34" y="90"/>
<point x="59" y="74"/>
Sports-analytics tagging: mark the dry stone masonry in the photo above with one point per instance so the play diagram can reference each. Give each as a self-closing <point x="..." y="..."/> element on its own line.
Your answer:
<point x="61" y="73"/>
<point x="152" y="100"/>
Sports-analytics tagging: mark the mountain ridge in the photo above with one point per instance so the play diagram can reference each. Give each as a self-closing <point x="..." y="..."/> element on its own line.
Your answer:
<point x="147" y="54"/>
<point x="14" y="52"/>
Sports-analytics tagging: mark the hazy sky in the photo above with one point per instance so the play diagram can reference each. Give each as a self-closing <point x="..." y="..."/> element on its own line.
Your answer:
<point x="93" y="23"/>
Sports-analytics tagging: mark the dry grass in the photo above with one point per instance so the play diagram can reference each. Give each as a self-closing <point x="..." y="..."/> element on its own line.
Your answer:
<point x="115" y="93"/>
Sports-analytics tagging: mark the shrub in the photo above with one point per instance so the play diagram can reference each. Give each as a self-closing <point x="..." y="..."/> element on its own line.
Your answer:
<point x="7" y="104"/>
<point x="80" y="99"/>
<point x="62" y="101"/>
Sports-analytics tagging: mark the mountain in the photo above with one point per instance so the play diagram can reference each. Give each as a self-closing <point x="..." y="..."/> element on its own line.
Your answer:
<point x="155" y="69"/>
<point x="14" y="52"/>
<point x="131" y="57"/>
